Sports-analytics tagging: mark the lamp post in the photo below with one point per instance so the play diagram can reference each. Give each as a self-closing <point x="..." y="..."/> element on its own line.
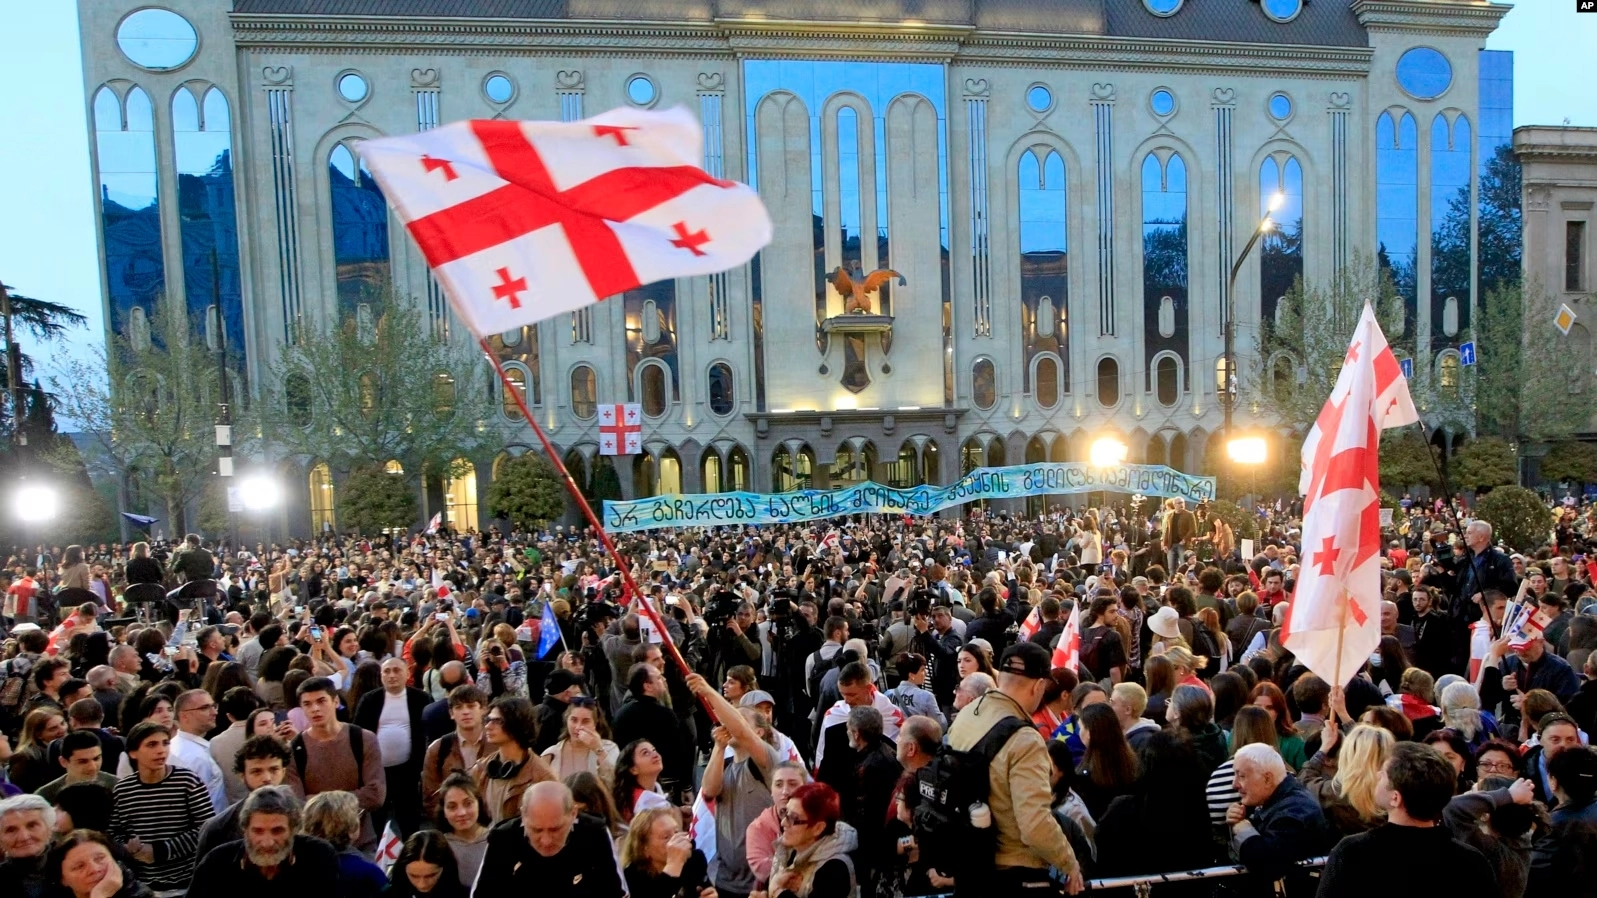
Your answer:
<point x="1228" y="394"/>
<point x="1250" y="451"/>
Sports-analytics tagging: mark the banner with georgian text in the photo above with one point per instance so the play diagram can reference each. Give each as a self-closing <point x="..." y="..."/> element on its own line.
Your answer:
<point x="1012" y="482"/>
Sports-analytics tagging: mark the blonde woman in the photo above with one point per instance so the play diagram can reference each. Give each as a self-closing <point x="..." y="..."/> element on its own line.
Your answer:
<point x="1344" y="780"/>
<point x="1186" y="666"/>
<point x="659" y="860"/>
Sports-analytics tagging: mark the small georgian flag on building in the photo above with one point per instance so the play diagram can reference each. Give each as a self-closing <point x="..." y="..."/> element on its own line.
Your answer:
<point x="621" y="429"/>
<point x="523" y="220"/>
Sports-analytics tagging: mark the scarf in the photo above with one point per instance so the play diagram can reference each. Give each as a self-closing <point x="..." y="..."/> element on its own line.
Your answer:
<point x="807" y="860"/>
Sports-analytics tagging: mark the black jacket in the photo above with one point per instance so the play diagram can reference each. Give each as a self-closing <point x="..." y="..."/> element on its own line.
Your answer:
<point x="1407" y="860"/>
<point x="994" y="628"/>
<point x="314" y="866"/>
<point x="551" y="717"/>
<point x="646" y="718"/>
<point x="584" y="867"/>
<point x="1490" y="569"/>
<point x="369" y="713"/>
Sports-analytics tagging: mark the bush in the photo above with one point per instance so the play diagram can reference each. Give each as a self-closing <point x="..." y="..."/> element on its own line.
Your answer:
<point x="1244" y="525"/>
<point x="1570" y="462"/>
<point x="1484" y="463"/>
<point x="1518" y="516"/>
<point x="527" y="491"/>
<point x="371" y="500"/>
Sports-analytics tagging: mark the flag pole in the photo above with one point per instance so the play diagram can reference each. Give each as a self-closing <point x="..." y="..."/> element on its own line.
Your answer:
<point x="587" y="511"/>
<point x="1341" y="633"/>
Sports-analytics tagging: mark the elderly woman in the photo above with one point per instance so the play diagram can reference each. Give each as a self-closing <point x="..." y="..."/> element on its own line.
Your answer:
<point x="659" y="860"/>
<point x="26" y="824"/>
<point x="334" y="817"/>
<point x="812" y="857"/>
<point x="83" y="865"/>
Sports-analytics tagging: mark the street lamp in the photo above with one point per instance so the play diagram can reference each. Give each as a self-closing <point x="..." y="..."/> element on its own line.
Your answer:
<point x="36" y="504"/>
<point x="259" y="493"/>
<point x="1228" y="388"/>
<point x="1106" y="451"/>
<point x="1247" y="450"/>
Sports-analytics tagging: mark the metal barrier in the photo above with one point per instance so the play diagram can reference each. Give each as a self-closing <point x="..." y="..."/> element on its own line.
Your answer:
<point x="1143" y="885"/>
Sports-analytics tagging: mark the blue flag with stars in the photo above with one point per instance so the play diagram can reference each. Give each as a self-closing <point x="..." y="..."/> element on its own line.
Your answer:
<point x="548" y="631"/>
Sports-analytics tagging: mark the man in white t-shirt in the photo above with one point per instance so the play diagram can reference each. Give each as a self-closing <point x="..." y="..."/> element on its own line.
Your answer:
<point x="1483" y="631"/>
<point x="395" y="715"/>
<point x="196" y="716"/>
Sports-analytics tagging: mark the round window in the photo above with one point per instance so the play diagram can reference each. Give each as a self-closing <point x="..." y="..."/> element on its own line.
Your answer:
<point x="640" y="90"/>
<point x="1163" y="102"/>
<point x="157" y="39"/>
<point x="1163" y="7"/>
<point x="1424" y="73"/>
<point x="1282" y="10"/>
<point x="1039" y="98"/>
<point x="1280" y="107"/>
<point x="498" y="89"/>
<point x="352" y="87"/>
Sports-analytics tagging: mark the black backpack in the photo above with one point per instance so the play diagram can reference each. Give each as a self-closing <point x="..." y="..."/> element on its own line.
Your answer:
<point x="945" y="789"/>
<point x="1205" y="645"/>
<point x="1089" y="651"/>
<point x="357" y="747"/>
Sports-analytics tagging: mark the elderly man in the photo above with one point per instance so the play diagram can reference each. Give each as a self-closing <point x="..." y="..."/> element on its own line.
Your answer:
<point x="103" y="680"/>
<point x="273" y="859"/>
<point x="436" y="719"/>
<point x="395" y="715"/>
<point x="262" y="761"/>
<point x="555" y="852"/>
<point x="26" y="823"/>
<point x="125" y="661"/>
<point x="1277" y="822"/>
<point x="1507" y="675"/>
<point x="1481" y="568"/>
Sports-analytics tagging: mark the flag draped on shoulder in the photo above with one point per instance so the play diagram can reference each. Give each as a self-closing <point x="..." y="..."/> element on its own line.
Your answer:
<point x="1334" y="623"/>
<point x="1067" y="653"/>
<point x="523" y="220"/>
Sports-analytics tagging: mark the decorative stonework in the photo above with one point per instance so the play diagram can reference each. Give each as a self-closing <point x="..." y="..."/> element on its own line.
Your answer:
<point x="1538" y="199"/>
<point x="712" y="82"/>
<point x="1341" y="100"/>
<point x="1428" y="17"/>
<point x="424" y="79"/>
<point x="1103" y="93"/>
<point x="977" y="87"/>
<point x="1225" y="96"/>
<point x="569" y="79"/>
<point x="278" y="75"/>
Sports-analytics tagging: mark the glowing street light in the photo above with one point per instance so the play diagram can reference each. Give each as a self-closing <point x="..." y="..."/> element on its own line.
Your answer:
<point x="37" y="503"/>
<point x="1247" y="450"/>
<point x="259" y="493"/>
<point x="1106" y="451"/>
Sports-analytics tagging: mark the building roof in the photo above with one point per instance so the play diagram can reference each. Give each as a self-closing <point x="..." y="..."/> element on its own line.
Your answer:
<point x="1321" y="23"/>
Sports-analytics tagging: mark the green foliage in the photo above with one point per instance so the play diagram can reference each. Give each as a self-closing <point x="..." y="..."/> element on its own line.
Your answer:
<point x="1570" y="461"/>
<point x="604" y="483"/>
<point x="1407" y="462"/>
<point x="371" y="500"/>
<point x="1519" y="517"/>
<point x="1522" y="381"/>
<point x="1244" y="525"/>
<point x="1484" y="463"/>
<point x="527" y="491"/>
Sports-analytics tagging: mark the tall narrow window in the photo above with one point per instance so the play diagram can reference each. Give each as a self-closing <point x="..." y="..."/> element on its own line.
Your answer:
<point x="460" y="495"/>
<point x="851" y="208"/>
<point x="1167" y="380"/>
<point x="1447" y="375"/>
<point x="130" y="220"/>
<point x="1108" y="383"/>
<point x="360" y="232"/>
<point x="323" y="518"/>
<point x="983" y="384"/>
<point x="202" y="144"/>
<point x="584" y="392"/>
<point x="1397" y="208"/>
<point x="653" y="390"/>
<point x="1452" y="249"/>
<point x="1044" y="268"/>
<point x="516" y="386"/>
<point x="1164" y="255"/>
<point x="1281" y="247"/>
<point x="1574" y="256"/>
<point x="710" y="471"/>
<point x="721" y="388"/>
<point x="1047" y="391"/>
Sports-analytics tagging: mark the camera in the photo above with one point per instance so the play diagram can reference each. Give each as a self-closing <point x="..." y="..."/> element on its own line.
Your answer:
<point x="920" y="603"/>
<point x="721" y="607"/>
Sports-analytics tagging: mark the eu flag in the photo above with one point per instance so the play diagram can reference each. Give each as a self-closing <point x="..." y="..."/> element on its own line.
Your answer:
<point x="548" y="631"/>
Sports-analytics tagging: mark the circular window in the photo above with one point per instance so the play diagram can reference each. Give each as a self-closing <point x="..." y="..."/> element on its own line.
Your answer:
<point x="157" y="39"/>
<point x="1162" y="102"/>
<point x="1039" y="98"/>
<point x="640" y="90"/>
<point x="1280" y="107"/>
<point x="498" y="88"/>
<point x="1424" y="73"/>
<point x="1163" y="7"/>
<point x="1282" y="10"/>
<point x="352" y="87"/>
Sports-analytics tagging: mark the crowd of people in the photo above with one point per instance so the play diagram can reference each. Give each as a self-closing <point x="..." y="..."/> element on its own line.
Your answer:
<point x="862" y="706"/>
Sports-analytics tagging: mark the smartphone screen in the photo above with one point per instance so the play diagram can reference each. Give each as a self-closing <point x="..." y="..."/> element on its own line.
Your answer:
<point x="280" y="716"/>
<point x="316" y="632"/>
<point x="441" y="616"/>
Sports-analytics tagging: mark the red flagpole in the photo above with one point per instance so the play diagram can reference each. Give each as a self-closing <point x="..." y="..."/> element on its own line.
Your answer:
<point x="587" y="512"/>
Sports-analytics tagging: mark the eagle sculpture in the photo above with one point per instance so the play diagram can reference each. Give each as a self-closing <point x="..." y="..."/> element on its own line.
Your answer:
<point x="857" y="294"/>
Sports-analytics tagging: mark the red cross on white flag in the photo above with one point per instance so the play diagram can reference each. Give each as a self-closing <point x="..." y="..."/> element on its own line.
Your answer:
<point x="1334" y="622"/>
<point x="524" y="220"/>
<point x="620" y="429"/>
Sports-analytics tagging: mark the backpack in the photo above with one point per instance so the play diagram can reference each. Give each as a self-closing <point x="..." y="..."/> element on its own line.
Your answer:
<point x="818" y="671"/>
<point x="1204" y="644"/>
<point x="17" y="687"/>
<point x="1089" y="651"/>
<point x="357" y="747"/>
<point x="945" y="790"/>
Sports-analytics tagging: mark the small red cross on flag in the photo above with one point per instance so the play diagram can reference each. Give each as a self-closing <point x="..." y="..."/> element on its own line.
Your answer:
<point x="524" y="220"/>
<point x="1329" y="625"/>
<point x="621" y="429"/>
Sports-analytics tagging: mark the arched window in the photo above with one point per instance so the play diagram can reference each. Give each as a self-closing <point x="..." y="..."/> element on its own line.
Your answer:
<point x="516" y="385"/>
<point x="1178" y="452"/>
<point x="130" y="219"/>
<point x="983" y="384"/>
<point x="139" y="329"/>
<point x="1397" y="207"/>
<point x="736" y="476"/>
<point x="1164" y="254"/>
<point x="1281" y="248"/>
<point x="653" y="390"/>
<point x="443" y="393"/>
<point x="721" y="388"/>
<point x="1108" y="383"/>
<point x="905" y="472"/>
<point x="202" y="146"/>
<point x="1451" y="256"/>
<point x="668" y="476"/>
<point x="1167" y="380"/>
<point x="971" y="456"/>
<point x="1047" y="381"/>
<point x="584" y="392"/>
<point x="1447" y="375"/>
<point x="1044" y="285"/>
<point x="460" y="495"/>
<point x="360" y="231"/>
<point x="931" y="461"/>
<point x="322" y="502"/>
<point x="845" y="467"/>
<point x="393" y="467"/>
<point x="790" y="472"/>
<point x="1157" y="452"/>
<point x="1222" y="383"/>
<point x="577" y="467"/>
<point x="710" y="471"/>
<point x="297" y="398"/>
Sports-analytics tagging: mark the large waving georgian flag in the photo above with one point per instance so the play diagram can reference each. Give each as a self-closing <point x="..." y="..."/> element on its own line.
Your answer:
<point x="523" y="220"/>
<point x="1334" y="621"/>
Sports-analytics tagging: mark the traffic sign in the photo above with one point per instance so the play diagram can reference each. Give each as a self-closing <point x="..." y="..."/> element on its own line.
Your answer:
<point x="1408" y="368"/>
<point x="1466" y="353"/>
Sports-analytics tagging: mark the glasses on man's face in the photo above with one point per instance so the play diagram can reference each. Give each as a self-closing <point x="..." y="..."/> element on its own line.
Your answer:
<point x="1495" y="766"/>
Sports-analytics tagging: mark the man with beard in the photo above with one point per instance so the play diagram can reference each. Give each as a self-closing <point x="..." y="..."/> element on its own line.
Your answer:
<point x="272" y="859"/>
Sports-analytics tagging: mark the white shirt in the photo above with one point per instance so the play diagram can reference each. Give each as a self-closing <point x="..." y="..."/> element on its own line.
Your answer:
<point x="837" y="715"/>
<point x="193" y="753"/>
<point x="393" y="729"/>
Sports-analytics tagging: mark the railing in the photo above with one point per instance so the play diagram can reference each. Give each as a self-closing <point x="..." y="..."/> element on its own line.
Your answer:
<point x="1143" y="885"/>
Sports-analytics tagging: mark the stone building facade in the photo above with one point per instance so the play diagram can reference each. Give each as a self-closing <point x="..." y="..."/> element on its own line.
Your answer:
<point x="1063" y="186"/>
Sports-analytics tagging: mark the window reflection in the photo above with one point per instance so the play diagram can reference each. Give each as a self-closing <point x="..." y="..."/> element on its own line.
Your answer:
<point x="1047" y="382"/>
<point x="130" y="220"/>
<point x="1108" y="383"/>
<point x="1451" y="260"/>
<point x="1397" y="202"/>
<point x="360" y="231"/>
<point x="653" y="390"/>
<point x="721" y="388"/>
<point x="323" y="518"/>
<point x="651" y="312"/>
<point x="584" y="392"/>
<point x="517" y="387"/>
<point x="1044" y="260"/>
<point x="202" y="145"/>
<point x="1281" y="248"/>
<point x="983" y="384"/>
<point x="790" y="472"/>
<point x="1164" y="257"/>
<point x="1425" y="73"/>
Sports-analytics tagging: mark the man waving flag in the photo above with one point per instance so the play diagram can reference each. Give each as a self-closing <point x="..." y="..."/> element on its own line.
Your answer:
<point x="1334" y="621"/>
<point x="523" y="220"/>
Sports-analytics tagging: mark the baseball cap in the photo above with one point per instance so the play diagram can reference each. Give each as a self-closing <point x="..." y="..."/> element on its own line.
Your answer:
<point x="1027" y="659"/>
<point x="756" y="698"/>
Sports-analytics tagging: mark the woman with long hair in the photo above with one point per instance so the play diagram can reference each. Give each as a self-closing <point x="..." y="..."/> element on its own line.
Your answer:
<point x="584" y="743"/>
<point x="1344" y="773"/>
<point x="463" y="818"/>
<point x="1269" y="696"/>
<point x="269" y="682"/>
<point x="1191" y="713"/>
<point x="1252" y="725"/>
<point x="638" y="779"/>
<point x="368" y="678"/>
<point x="974" y="659"/>
<point x="222" y="676"/>
<point x="1461" y="712"/>
<point x="1209" y="619"/>
<point x="592" y="797"/>
<point x="1185" y="666"/>
<point x="1230" y="694"/>
<point x="1108" y="768"/>
<point x="1452" y="747"/>
<point x="30" y="765"/>
<point x="1161" y="676"/>
<point x="1155" y="829"/>
<point x="659" y="860"/>
<point x="1387" y="665"/>
<point x="74" y="571"/>
<point x="425" y="866"/>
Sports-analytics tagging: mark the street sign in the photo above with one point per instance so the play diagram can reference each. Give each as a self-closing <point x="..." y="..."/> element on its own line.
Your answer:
<point x="1408" y="368"/>
<point x="1466" y="353"/>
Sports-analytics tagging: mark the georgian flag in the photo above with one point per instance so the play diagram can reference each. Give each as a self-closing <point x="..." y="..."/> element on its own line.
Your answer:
<point x="1333" y="622"/>
<point x="1030" y="626"/>
<point x="1067" y="653"/>
<point x="524" y="220"/>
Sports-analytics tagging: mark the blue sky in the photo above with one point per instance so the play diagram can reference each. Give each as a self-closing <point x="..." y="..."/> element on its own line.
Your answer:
<point x="47" y="245"/>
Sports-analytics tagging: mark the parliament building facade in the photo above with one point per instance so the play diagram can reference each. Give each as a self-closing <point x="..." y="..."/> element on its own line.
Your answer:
<point x="1062" y="187"/>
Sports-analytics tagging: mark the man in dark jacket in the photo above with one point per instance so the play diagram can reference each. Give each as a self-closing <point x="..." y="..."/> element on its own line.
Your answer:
<point x="272" y="859"/>
<point x="395" y="714"/>
<point x="551" y="850"/>
<point x="1276" y="824"/>
<point x="1482" y="567"/>
<point x="937" y="640"/>
<point x="193" y="561"/>
<point x="645" y="717"/>
<point x="1531" y="666"/>
<point x="1411" y="854"/>
<point x="994" y="624"/>
<point x="562" y="686"/>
